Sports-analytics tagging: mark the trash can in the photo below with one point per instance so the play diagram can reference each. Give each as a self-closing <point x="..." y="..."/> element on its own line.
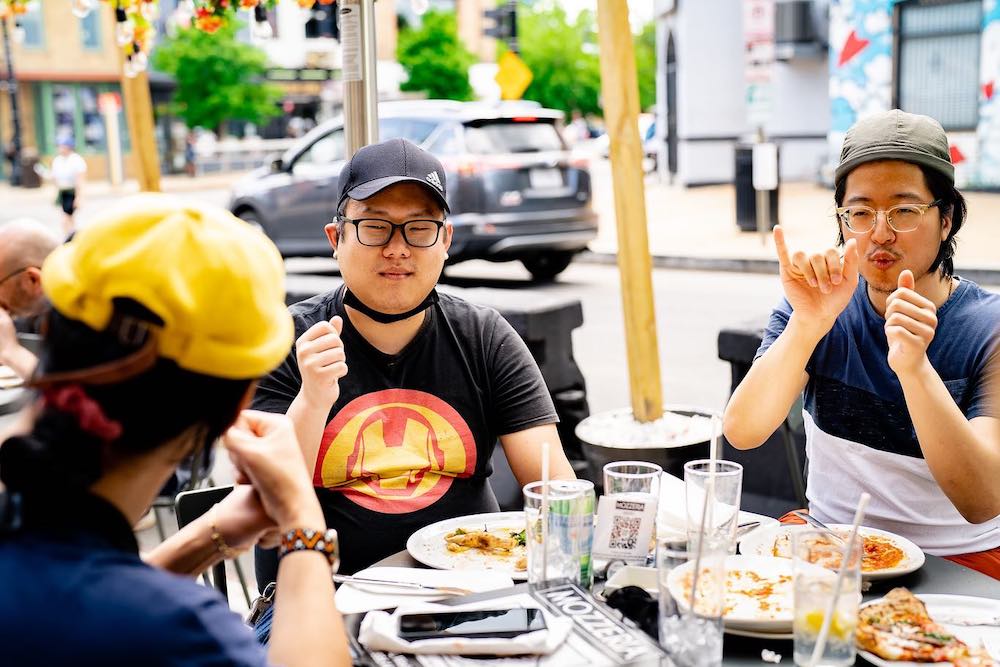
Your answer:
<point x="29" y="177"/>
<point x="746" y="196"/>
<point x="773" y="474"/>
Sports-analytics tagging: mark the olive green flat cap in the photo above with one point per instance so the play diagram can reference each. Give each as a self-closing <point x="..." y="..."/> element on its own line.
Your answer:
<point x="896" y="135"/>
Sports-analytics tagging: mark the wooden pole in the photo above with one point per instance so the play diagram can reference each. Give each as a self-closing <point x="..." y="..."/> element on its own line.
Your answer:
<point x="620" y="94"/>
<point x="139" y="116"/>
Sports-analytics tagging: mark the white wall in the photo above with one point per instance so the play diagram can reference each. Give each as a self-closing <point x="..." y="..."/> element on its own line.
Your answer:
<point x="708" y="37"/>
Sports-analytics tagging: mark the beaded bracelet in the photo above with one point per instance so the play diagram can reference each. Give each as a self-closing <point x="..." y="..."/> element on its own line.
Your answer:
<point x="307" y="539"/>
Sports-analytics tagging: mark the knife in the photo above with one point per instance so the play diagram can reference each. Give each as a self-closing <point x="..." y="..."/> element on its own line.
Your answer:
<point x="437" y="590"/>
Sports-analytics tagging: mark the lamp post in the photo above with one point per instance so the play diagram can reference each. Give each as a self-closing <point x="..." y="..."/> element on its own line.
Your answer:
<point x="15" y="115"/>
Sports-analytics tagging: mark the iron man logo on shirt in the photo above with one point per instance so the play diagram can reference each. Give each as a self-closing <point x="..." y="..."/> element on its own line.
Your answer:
<point x="395" y="451"/>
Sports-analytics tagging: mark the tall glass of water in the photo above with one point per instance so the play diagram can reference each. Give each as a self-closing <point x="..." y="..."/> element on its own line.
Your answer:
<point x="691" y="635"/>
<point x="815" y="591"/>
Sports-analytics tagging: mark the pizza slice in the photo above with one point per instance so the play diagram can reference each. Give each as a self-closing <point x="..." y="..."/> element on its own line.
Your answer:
<point x="898" y="627"/>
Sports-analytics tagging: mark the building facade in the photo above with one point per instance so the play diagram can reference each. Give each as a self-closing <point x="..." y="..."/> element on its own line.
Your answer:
<point x="837" y="61"/>
<point x="62" y="64"/>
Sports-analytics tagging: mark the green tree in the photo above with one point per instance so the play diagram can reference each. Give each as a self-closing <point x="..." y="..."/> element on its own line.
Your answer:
<point x="645" y="65"/>
<point x="562" y="56"/>
<point x="436" y="62"/>
<point x="218" y="78"/>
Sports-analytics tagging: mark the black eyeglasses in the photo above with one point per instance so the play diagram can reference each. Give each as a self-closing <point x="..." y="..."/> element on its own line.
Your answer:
<point x="14" y="273"/>
<point x="378" y="232"/>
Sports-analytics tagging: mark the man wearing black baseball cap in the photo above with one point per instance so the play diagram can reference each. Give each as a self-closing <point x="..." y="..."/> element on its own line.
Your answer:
<point x="405" y="438"/>
<point x="891" y="350"/>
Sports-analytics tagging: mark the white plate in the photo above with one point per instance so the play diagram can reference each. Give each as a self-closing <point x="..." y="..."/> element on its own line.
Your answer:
<point x="954" y="606"/>
<point x="427" y="545"/>
<point x="770" y="614"/>
<point x="777" y="636"/>
<point x="761" y="543"/>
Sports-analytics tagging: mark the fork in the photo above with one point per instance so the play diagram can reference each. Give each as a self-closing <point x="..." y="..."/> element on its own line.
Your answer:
<point x="363" y="581"/>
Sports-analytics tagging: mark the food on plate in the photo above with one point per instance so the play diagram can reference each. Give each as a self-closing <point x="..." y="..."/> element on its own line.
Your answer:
<point x="878" y="552"/>
<point x="504" y="543"/>
<point x="749" y="594"/>
<point x="898" y="627"/>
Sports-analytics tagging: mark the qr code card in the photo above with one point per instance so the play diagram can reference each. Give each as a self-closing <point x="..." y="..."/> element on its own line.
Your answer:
<point x="625" y="525"/>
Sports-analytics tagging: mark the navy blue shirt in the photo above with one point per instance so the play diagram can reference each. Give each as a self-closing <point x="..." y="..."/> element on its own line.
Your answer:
<point x="73" y="591"/>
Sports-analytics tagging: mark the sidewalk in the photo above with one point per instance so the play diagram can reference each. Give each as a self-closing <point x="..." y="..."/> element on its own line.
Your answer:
<point x="696" y="227"/>
<point x="174" y="183"/>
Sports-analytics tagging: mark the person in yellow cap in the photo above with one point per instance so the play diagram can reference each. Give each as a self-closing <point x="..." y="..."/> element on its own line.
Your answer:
<point x="163" y="317"/>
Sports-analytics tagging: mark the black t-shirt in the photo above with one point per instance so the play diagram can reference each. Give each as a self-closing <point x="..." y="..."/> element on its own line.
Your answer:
<point x="409" y="440"/>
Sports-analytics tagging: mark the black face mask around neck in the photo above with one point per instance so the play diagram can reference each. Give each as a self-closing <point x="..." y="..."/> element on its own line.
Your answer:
<point x="350" y="299"/>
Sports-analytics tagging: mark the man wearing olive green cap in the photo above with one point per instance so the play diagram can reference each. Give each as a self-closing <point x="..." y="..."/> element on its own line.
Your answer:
<point x="890" y="349"/>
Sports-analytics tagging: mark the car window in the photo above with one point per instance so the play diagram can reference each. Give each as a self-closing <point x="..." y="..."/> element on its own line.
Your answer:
<point x="413" y="129"/>
<point x="510" y="136"/>
<point x="447" y="142"/>
<point x="325" y="150"/>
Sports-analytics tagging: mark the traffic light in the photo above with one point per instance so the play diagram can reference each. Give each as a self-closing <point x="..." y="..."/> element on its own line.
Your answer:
<point x="504" y="26"/>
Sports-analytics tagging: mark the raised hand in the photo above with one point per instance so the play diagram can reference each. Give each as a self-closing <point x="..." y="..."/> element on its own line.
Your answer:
<point x="266" y="454"/>
<point x="818" y="286"/>
<point x="243" y="521"/>
<point x="910" y="322"/>
<point x="322" y="362"/>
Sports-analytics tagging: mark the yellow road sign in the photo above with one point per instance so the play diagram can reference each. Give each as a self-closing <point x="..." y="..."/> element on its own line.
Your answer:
<point x="513" y="76"/>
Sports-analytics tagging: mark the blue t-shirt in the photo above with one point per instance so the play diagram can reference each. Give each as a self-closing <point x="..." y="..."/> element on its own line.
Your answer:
<point x="859" y="434"/>
<point x="73" y="591"/>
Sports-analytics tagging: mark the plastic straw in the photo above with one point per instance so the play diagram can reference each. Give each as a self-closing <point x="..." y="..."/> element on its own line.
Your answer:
<point x="831" y="608"/>
<point x="545" y="511"/>
<point x="706" y="511"/>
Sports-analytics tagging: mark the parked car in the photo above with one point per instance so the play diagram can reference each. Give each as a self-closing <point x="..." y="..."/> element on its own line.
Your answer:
<point x="515" y="190"/>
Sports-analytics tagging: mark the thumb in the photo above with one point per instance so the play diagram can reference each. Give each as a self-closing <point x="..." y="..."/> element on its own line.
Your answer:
<point x="338" y="324"/>
<point x="906" y="280"/>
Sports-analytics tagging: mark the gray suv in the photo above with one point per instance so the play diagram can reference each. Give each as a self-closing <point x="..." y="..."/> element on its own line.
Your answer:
<point x="515" y="190"/>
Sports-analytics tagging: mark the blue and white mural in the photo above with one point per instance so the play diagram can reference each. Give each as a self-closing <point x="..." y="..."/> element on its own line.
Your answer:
<point x="860" y="65"/>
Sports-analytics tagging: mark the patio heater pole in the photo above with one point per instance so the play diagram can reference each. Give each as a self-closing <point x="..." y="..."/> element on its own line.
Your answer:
<point x="620" y="92"/>
<point x="357" y="42"/>
<point x="15" y="114"/>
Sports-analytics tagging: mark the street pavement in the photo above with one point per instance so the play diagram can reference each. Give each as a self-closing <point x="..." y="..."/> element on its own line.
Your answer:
<point x="693" y="228"/>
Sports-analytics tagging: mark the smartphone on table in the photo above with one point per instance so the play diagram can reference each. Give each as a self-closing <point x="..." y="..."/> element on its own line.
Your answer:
<point x="500" y="623"/>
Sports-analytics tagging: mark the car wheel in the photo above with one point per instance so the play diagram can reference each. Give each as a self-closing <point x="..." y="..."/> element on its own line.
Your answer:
<point x="547" y="266"/>
<point x="250" y="217"/>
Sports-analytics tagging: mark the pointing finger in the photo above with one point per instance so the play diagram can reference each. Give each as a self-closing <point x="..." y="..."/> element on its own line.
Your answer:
<point x="851" y="261"/>
<point x="779" y="246"/>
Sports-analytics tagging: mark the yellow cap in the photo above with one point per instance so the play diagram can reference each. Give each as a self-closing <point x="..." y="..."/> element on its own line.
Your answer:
<point x="217" y="283"/>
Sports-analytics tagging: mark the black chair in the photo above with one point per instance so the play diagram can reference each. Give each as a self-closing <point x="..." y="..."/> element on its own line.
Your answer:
<point x="192" y="504"/>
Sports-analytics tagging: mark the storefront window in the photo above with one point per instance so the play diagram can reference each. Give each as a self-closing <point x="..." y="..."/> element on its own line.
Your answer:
<point x="93" y="124"/>
<point x="71" y="111"/>
<point x="64" y="107"/>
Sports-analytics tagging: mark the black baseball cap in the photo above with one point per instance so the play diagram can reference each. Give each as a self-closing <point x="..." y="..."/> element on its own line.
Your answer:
<point x="377" y="166"/>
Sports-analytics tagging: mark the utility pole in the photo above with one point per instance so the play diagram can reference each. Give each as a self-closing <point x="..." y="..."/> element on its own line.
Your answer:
<point x="357" y="44"/>
<point x="15" y="113"/>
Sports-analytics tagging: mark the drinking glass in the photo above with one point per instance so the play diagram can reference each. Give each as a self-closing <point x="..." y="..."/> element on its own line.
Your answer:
<point x="692" y="637"/>
<point x="720" y="482"/>
<point x="563" y="551"/>
<point x="814" y="587"/>
<point x="632" y="477"/>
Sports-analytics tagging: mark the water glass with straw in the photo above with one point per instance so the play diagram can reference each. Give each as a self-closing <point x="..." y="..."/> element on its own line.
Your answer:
<point x="560" y="529"/>
<point x="691" y="628"/>
<point x="826" y="602"/>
